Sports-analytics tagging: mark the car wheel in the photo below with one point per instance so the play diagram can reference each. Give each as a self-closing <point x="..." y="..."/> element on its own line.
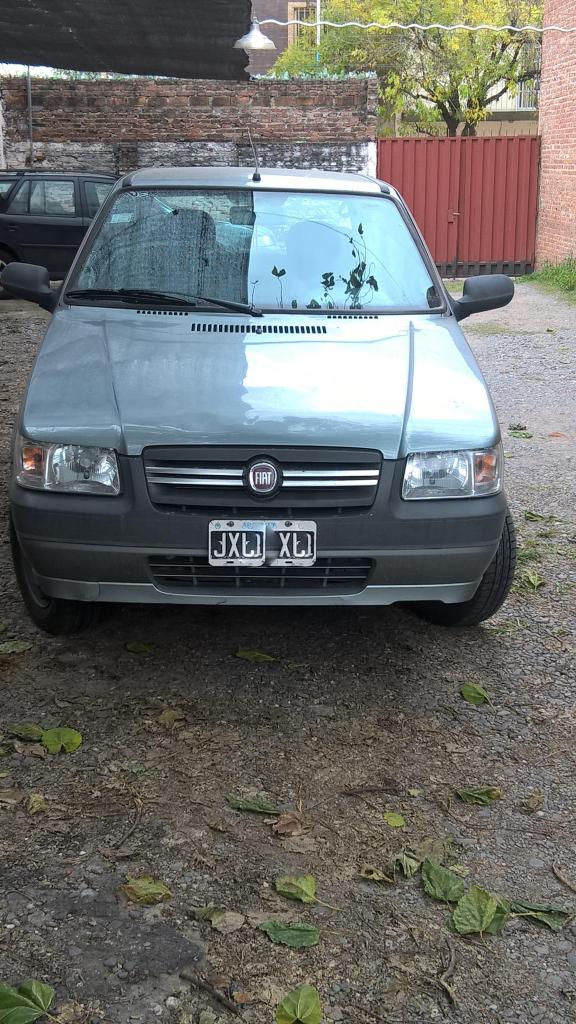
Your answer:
<point x="491" y="594"/>
<point x="53" y="615"/>
<point x="5" y="258"/>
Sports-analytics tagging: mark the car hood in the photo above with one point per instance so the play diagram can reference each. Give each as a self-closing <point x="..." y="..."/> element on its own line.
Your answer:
<point x="126" y="379"/>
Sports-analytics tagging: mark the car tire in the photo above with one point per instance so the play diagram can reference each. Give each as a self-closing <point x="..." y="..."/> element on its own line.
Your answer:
<point x="492" y="591"/>
<point x="6" y="257"/>
<point x="51" y="614"/>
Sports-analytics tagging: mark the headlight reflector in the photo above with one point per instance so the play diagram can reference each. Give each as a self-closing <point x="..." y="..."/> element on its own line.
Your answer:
<point x="460" y="474"/>
<point x="69" y="468"/>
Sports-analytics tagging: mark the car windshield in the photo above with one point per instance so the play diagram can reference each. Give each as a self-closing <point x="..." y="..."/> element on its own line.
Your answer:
<point x="275" y="250"/>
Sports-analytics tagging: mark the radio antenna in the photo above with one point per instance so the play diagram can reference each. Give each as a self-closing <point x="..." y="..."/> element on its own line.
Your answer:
<point x="256" y="175"/>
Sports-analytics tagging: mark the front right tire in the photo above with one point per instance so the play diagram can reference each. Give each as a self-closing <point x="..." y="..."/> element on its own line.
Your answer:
<point x="51" y="614"/>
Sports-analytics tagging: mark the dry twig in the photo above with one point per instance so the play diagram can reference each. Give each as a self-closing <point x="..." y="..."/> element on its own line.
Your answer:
<point x="205" y="986"/>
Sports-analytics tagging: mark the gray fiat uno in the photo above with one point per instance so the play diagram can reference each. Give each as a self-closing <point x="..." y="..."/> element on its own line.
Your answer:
<point x="254" y="390"/>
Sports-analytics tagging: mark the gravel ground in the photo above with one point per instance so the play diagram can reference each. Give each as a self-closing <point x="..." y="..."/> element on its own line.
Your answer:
<point x="359" y="714"/>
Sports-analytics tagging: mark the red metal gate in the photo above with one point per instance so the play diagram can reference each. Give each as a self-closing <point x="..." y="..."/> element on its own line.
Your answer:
<point x="475" y="199"/>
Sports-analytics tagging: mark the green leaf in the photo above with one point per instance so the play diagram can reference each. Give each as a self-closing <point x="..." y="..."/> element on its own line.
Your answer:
<point x="482" y="795"/>
<point x="256" y="804"/>
<point x="360" y="229"/>
<point x="475" y="912"/>
<point x="302" y="1006"/>
<point x="553" y="917"/>
<point x="294" y="934"/>
<point x="248" y="654"/>
<point x="24" y="1004"/>
<point x="137" y="647"/>
<point x="301" y="887"/>
<point x="535" y="517"/>
<point x="441" y="883"/>
<point x="278" y="273"/>
<point x="533" y="579"/>
<point x="14" y="647"/>
<point x="393" y="819"/>
<point x="524" y="435"/>
<point x="372" y="874"/>
<point x="372" y="282"/>
<point x="6" y="749"/>
<point x="475" y="694"/>
<point x="145" y="891"/>
<point x="56" y="740"/>
<point x="25" y="731"/>
<point x="413" y="791"/>
<point x="408" y="863"/>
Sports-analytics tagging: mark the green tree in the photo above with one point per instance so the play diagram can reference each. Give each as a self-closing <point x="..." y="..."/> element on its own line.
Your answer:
<point x="434" y="75"/>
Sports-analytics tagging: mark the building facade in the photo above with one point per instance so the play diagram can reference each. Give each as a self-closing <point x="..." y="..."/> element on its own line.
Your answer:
<point x="556" y="238"/>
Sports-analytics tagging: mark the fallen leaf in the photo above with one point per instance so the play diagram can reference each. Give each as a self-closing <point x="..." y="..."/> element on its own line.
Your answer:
<point x="533" y="579"/>
<point x="247" y="654"/>
<point x="557" y="434"/>
<point x="11" y="797"/>
<point x="534" y="802"/>
<point x="302" y="1006"/>
<point x="64" y="739"/>
<point x="535" y="517"/>
<point x="474" y="912"/>
<point x="482" y="795"/>
<point x="372" y="874"/>
<point x="441" y="883"/>
<point x="408" y="863"/>
<point x="35" y="803"/>
<point x="25" y="731"/>
<point x="6" y="749"/>
<point x="460" y="869"/>
<point x="137" y="647"/>
<point x="258" y="804"/>
<point x="4" y="775"/>
<point x="294" y="934"/>
<point x="30" y="749"/>
<point x="414" y="792"/>
<point x="14" y="646"/>
<point x="289" y="824"/>
<point x="302" y="887"/>
<point x="522" y="434"/>
<point x="475" y="694"/>
<point x="300" y="844"/>
<point x="393" y="819"/>
<point x="227" y="921"/>
<point x="146" y="890"/>
<point x="169" y="718"/>
<point x="553" y="917"/>
<point x="242" y="998"/>
<point x="26" y="1003"/>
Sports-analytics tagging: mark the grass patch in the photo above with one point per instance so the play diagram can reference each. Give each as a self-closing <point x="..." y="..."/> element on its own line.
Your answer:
<point x="558" y="277"/>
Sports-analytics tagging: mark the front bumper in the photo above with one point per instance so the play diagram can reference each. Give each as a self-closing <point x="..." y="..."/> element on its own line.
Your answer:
<point x="99" y="549"/>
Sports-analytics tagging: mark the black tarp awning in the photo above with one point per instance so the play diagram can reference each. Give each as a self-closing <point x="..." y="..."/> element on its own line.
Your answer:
<point x="177" y="38"/>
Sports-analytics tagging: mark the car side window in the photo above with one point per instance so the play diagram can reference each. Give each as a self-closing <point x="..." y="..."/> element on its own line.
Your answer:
<point x="95" y="192"/>
<point x="52" y="199"/>
<point x="18" y="205"/>
<point x="5" y="186"/>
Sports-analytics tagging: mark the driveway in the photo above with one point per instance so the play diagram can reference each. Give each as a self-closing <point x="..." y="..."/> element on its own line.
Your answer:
<point x="356" y="721"/>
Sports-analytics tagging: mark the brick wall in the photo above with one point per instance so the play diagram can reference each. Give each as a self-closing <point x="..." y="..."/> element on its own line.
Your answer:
<point x="556" y="236"/>
<point x="122" y="124"/>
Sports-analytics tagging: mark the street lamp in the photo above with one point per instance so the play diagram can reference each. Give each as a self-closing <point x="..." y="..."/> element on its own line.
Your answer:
<point x="254" y="40"/>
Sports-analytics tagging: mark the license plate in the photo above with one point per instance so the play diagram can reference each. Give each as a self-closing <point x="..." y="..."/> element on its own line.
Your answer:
<point x="258" y="542"/>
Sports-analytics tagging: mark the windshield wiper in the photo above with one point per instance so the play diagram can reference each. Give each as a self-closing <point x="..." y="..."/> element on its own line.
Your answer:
<point x="236" y="307"/>
<point x="128" y="295"/>
<point x="162" y="298"/>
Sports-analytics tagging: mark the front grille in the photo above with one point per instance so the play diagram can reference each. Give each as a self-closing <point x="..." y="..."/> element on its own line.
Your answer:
<point x="340" y="575"/>
<point x="213" y="479"/>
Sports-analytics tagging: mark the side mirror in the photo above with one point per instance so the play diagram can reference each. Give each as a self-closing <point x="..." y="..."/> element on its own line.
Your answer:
<point x="27" y="281"/>
<point x="490" y="291"/>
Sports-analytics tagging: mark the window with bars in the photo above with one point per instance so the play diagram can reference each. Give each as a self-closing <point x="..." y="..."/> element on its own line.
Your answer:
<point x="301" y="13"/>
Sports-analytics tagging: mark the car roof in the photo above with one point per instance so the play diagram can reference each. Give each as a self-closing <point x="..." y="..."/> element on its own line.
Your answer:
<point x="22" y="172"/>
<point x="243" y="177"/>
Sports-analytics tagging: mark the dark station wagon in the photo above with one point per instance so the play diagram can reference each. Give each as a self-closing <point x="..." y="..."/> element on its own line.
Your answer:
<point x="44" y="215"/>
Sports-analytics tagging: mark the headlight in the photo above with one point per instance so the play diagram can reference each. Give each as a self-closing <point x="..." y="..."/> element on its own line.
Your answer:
<point x="462" y="474"/>
<point x="71" y="468"/>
